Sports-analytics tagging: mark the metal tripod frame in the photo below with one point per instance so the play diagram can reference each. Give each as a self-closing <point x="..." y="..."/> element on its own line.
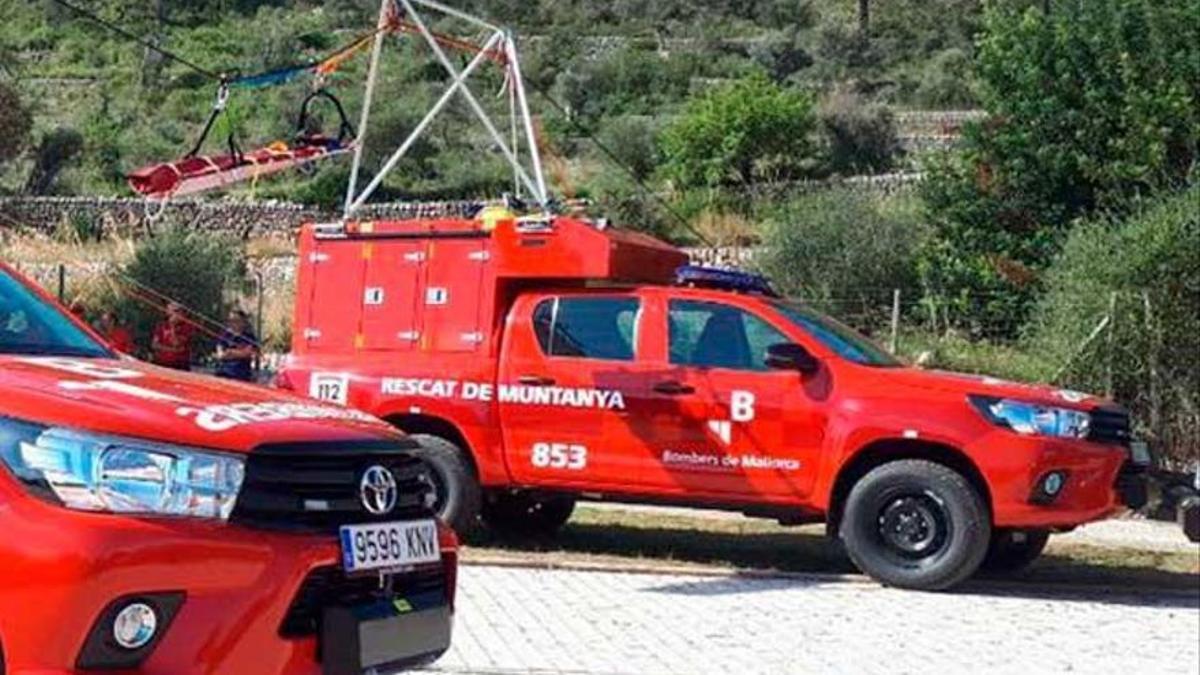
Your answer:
<point x="524" y="159"/>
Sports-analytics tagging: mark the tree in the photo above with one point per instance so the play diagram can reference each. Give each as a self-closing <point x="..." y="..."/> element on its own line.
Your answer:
<point x="57" y="149"/>
<point x="864" y="20"/>
<point x="15" y="123"/>
<point x="741" y="133"/>
<point x="861" y="135"/>
<point x="1088" y="110"/>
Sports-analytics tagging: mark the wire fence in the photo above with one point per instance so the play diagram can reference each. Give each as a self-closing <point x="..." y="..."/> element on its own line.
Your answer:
<point x="1121" y="348"/>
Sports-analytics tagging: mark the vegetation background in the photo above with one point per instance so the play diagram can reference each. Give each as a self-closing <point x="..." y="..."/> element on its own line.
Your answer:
<point x="1053" y="236"/>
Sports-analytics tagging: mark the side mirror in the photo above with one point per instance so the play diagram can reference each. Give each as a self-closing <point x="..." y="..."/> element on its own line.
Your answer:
<point x="791" y="356"/>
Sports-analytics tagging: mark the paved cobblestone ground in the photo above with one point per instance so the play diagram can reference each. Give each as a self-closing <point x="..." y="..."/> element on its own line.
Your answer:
<point x="513" y="620"/>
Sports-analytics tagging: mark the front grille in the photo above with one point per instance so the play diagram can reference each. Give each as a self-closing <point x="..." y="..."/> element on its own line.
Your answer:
<point x="329" y="586"/>
<point x="1110" y="424"/>
<point x="314" y="487"/>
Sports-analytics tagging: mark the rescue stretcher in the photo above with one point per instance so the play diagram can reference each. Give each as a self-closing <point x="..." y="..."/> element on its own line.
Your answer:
<point x="200" y="173"/>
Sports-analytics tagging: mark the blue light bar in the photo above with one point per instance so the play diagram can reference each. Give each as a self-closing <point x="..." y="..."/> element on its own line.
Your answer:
<point x="724" y="279"/>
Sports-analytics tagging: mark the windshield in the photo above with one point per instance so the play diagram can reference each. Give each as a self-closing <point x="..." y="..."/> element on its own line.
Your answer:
<point x="29" y="325"/>
<point x="843" y="340"/>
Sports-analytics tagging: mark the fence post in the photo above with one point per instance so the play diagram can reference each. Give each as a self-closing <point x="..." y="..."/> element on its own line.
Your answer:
<point x="1110" y="343"/>
<point x="1151" y="363"/>
<point x="62" y="283"/>
<point x="895" y="320"/>
<point x="259" y="288"/>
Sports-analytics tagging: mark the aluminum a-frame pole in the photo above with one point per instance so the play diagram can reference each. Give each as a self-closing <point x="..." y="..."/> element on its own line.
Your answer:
<point x="535" y="155"/>
<point x="365" y="115"/>
<point x="420" y="128"/>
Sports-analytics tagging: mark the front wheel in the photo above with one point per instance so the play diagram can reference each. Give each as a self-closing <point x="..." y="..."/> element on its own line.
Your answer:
<point x="1013" y="550"/>
<point x="457" y="493"/>
<point x="916" y="524"/>
<point x="521" y="513"/>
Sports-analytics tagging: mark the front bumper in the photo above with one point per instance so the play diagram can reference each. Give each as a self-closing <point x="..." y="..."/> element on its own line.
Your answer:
<point x="60" y="569"/>
<point x="1094" y="485"/>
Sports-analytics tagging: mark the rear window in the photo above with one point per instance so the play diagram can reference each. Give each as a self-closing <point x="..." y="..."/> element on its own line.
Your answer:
<point x="31" y="326"/>
<point x="589" y="328"/>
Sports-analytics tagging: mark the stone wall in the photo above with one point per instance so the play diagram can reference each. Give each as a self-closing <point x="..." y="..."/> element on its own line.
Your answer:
<point x="246" y="219"/>
<point x="279" y="219"/>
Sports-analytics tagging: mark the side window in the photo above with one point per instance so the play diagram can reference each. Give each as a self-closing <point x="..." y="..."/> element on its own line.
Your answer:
<point x="590" y="328"/>
<point x="711" y="335"/>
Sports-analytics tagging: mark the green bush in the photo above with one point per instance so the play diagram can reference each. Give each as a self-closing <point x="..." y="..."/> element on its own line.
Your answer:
<point x="56" y="150"/>
<point x="743" y="133"/>
<point x="633" y="141"/>
<point x="844" y="252"/>
<point x="1147" y="268"/>
<point x="197" y="269"/>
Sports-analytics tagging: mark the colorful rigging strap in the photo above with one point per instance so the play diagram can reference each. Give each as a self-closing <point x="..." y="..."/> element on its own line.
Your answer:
<point x="324" y="66"/>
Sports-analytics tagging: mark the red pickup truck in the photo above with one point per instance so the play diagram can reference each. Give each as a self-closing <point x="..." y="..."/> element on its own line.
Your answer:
<point x="543" y="360"/>
<point x="160" y="522"/>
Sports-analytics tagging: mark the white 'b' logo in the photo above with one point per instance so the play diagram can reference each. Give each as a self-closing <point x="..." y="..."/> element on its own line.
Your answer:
<point x="741" y="406"/>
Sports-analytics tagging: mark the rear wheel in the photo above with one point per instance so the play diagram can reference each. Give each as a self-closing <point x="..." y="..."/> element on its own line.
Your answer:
<point x="1013" y="550"/>
<point x="456" y="488"/>
<point x="522" y="513"/>
<point x="916" y="524"/>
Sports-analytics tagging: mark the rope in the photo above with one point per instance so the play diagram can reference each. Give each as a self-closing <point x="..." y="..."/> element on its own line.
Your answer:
<point x="165" y="300"/>
<point x="217" y="109"/>
<point x="612" y="156"/>
<point x="495" y="55"/>
<point x="134" y="38"/>
<point x="161" y="302"/>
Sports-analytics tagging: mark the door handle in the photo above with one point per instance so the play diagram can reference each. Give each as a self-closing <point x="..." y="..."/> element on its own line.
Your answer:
<point x="535" y="380"/>
<point x="673" y="388"/>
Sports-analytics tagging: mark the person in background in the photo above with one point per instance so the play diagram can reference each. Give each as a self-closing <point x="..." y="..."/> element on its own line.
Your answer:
<point x="237" y="348"/>
<point x="117" y="335"/>
<point x="172" y="343"/>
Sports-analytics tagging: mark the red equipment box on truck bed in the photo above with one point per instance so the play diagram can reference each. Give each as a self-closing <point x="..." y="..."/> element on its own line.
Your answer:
<point x="441" y="285"/>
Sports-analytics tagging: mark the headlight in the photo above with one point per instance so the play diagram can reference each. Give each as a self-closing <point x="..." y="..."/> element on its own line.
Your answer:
<point x="90" y="472"/>
<point x="1032" y="419"/>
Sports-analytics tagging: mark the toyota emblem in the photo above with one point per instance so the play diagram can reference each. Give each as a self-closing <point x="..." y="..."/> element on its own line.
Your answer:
<point x="378" y="490"/>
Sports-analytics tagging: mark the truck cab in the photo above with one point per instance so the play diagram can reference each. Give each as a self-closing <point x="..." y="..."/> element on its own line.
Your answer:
<point x="541" y="361"/>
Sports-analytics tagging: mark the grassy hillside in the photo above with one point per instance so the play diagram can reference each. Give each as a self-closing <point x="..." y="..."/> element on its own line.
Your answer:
<point x="608" y="62"/>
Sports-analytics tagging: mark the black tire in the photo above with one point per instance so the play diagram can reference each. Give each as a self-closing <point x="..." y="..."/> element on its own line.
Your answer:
<point x="458" y="493"/>
<point x="916" y="524"/>
<point x="1013" y="550"/>
<point x="521" y="513"/>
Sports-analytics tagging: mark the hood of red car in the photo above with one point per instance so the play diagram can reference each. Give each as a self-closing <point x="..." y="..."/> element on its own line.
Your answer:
<point x="131" y="398"/>
<point x="951" y="382"/>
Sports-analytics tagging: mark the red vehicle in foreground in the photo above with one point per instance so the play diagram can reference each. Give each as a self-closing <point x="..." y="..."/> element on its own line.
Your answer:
<point x="544" y="360"/>
<point x="161" y="522"/>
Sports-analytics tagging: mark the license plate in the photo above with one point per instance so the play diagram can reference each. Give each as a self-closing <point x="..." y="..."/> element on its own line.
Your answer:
<point x="387" y="545"/>
<point x="381" y="638"/>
